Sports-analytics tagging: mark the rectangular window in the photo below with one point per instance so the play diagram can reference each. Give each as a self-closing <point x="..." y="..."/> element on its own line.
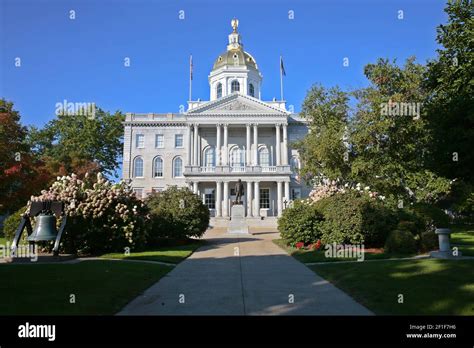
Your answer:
<point x="295" y="193"/>
<point x="209" y="198"/>
<point x="264" y="198"/>
<point x="178" y="140"/>
<point x="159" y="141"/>
<point x="138" y="192"/>
<point x="157" y="189"/>
<point x="140" y="141"/>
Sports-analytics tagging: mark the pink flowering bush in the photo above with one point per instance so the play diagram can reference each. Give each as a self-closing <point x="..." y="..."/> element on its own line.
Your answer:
<point x="102" y="216"/>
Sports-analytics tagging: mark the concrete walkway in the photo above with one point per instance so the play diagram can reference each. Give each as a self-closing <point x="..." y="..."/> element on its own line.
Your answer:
<point x="242" y="275"/>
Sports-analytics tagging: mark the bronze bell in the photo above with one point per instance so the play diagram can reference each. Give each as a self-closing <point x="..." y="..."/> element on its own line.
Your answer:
<point x="45" y="228"/>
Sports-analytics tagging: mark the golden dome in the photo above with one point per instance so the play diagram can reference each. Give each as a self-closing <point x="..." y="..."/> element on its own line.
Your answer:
<point x="235" y="57"/>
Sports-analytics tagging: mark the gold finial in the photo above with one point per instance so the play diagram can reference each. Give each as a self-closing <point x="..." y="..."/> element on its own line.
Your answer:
<point x="235" y="24"/>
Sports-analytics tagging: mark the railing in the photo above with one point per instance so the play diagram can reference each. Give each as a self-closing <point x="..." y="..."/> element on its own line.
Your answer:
<point x="208" y="169"/>
<point x="269" y="169"/>
<point x="237" y="169"/>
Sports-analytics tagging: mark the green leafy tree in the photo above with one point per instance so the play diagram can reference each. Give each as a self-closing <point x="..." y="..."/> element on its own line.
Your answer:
<point x="389" y="137"/>
<point x="323" y="150"/>
<point x="79" y="143"/>
<point x="450" y="107"/>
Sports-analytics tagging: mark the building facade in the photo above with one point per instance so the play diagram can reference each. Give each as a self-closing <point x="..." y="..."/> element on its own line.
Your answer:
<point x="235" y="135"/>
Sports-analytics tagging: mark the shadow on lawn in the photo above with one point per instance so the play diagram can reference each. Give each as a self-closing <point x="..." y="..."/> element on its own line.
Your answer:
<point x="429" y="287"/>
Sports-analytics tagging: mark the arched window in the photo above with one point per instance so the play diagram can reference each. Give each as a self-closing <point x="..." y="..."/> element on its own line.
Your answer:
<point x="295" y="164"/>
<point x="251" y="90"/>
<point x="178" y="167"/>
<point x="158" y="167"/>
<point x="138" y="167"/>
<point x="237" y="157"/>
<point x="219" y="90"/>
<point x="209" y="157"/>
<point x="264" y="156"/>
<point x="235" y="86"/>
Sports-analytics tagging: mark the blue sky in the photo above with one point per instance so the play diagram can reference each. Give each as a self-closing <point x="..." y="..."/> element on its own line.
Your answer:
<point x="82" y="60"/>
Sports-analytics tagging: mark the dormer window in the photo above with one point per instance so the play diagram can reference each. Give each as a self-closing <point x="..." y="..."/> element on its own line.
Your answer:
<point x="251" y="90"/>
<point x="219" y="90"/>
<point x="235" y="86"/>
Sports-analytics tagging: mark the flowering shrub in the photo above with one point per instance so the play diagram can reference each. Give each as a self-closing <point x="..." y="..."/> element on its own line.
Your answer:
<point x="299" y="245"/>
<point x="102" y="216"/>
<point x="316" y="245"/>
<point x="330" y="188"/>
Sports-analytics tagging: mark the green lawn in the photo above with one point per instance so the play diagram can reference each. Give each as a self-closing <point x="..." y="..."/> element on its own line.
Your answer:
<point x="429" y="286"/>
<point x="309" y="256"/>
<point x="463" y="238"/>
<point x="171" y="254"/>
<point x="100" y="287"/>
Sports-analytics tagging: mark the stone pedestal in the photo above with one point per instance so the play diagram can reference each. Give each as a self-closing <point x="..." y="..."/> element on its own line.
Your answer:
<point x="238" y="223"/>
<point x="444" y="251"/>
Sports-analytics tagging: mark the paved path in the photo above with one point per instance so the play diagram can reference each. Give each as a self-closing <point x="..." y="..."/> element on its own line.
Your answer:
<point x="242" y="275"/>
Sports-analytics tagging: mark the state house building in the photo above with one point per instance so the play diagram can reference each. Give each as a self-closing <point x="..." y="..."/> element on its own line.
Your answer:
<point x="235" y="135"/>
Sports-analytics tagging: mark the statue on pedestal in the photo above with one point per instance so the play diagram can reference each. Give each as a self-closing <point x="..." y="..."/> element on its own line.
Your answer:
<point x="239" y="191"/>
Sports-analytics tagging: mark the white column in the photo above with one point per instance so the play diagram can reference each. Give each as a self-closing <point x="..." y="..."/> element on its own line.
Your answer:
<point x="285" y="145"/>
<point x="279" y="198"/>
<point x="256" y="211"/>
<point x="249" y="198"/>
<point x="196" y="138"/>
<point x="225" y="205"/>
<point x="218" y="198"/>
<point x="199" y="149"/>
<point x="255" y="144"/>
<point x="287" y="192"/>
<point x="218" y="145"/>
<point x="195" y="187"/>
<point x="278" y="144"/>
<point x="190" y="144"/>
<point x="248" y="157"/>
<point x="225" y="145"/>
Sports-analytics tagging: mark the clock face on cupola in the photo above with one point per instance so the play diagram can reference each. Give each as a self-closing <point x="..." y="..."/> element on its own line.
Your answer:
<point x="235" y="70"/>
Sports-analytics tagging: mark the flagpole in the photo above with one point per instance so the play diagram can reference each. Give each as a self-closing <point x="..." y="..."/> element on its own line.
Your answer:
<point x="281" y="80"/>
<point x="190" y="77"/>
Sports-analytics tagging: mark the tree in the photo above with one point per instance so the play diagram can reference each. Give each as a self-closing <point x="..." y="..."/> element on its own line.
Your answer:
<point x="323" y="151"/>
<point x="389" y="136"/>
<point x="79" y="143"/>
<point x="21" y="174"/>
<point x="383" y="143"/>
<point x="451" y="105"/>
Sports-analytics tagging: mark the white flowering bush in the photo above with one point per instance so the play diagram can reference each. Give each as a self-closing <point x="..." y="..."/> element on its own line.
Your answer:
<point x="330" y="188"/>
<point x="102" y="216"/>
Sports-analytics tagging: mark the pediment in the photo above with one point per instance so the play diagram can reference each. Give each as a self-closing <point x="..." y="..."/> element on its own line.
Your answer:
<point x="238" y="104"/>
